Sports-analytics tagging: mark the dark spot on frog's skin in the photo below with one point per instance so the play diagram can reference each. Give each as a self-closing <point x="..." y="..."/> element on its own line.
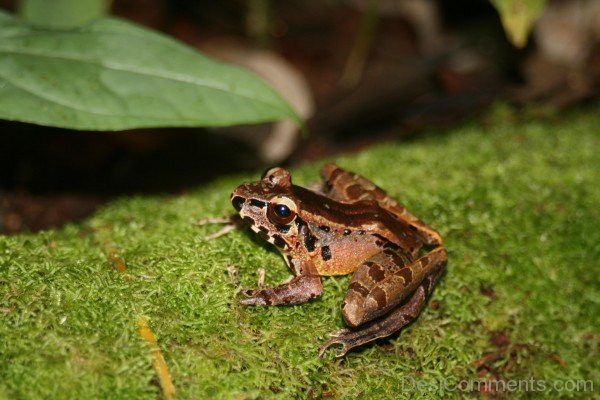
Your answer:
<point x="283" y="228"/>
<point x="355" y="191"/>
<point x="412" y="228"/>
<point x="324" y="228"/>
<point x="328" y="186"/>
<point x="263" y="233"/>
<point x="257" y="203"/>
<point x="309" y="242"/>
<point x="238" y="202"/>
<point x="326" y="253"/>
<point x="249" y="220"/>
<point x="347" y="232"/>
<point x="397" y="258"/>
<point x="406" y="274"/>
<point x="376" y="273"/>
<point x="379" y="296"/>
<point x="361" y="232"/>
<point x="390" y="245"/>
<point x="309" y="239"/>
<point x="359" y="288"/>
<point x="279" y="242"/>
<point x="335" y="174"/>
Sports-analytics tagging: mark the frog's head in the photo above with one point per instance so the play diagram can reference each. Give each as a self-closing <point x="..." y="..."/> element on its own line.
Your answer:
<point x="269" y="207"/>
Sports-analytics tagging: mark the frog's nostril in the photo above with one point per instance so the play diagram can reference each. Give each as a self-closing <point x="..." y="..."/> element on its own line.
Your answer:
<point x="237" y="202"/>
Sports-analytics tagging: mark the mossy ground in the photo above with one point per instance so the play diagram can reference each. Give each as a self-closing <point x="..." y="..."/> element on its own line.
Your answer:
<point x="516" y="201"/>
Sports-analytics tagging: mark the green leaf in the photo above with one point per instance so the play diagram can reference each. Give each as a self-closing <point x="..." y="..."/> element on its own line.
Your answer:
<point x="517" y="17"/>
<point x="61" y="14"/>
<point x="113" y="75"/>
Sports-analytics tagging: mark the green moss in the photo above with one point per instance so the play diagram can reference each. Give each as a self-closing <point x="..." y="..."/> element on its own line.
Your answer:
<point x="516" y="201"/>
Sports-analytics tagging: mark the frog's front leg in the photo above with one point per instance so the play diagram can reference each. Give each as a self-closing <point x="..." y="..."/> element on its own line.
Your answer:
<point x="300" y="289"/>
<point x="376" y="290"/>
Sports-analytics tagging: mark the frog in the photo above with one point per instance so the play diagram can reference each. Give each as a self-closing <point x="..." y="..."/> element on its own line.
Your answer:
<point x="344" y="225"/>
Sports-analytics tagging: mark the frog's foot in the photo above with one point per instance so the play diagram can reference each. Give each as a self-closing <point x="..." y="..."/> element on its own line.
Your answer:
<point x="230" y="223"/>
<point x="347" y="338"/>
<point x="338" y="337"/>
<point x="299" y="289"/>
<point x="253" y="297"/>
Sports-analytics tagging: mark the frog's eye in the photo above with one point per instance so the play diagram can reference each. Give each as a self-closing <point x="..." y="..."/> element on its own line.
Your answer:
<point x="281" y="211"/>
<point x="280" y="214"/>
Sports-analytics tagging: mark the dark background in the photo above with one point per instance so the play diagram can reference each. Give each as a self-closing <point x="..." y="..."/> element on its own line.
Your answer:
<point x="49" y="176"/>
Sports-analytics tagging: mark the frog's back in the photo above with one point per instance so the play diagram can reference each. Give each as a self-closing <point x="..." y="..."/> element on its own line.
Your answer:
<point x="344" y="235"/>
<point x="345" y="186"/>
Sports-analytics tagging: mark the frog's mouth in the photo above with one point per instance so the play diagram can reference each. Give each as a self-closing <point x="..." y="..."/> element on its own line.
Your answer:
<point x="275" y="237"/>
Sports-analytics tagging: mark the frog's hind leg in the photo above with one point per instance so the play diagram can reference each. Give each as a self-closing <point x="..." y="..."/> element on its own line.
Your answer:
<point x="384" y="281"/>
<point x="347" y="186"/>
<point x="373" y="292"/>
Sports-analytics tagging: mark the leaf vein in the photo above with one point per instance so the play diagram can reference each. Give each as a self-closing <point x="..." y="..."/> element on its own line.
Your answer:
<point x="147" y="72"/>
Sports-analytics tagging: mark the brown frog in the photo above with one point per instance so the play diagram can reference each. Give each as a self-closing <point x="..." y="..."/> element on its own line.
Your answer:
<point x="347" y="226"/>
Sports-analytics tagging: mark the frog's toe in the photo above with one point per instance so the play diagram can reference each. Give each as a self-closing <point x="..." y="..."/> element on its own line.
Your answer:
<point x="339" y="333"/>
<point x="253" y="302"/>
<point x="349" y="339"/>
<point x="252" y="298"/>
<point x="331" y="342"/>
<point x="345" y="337"/>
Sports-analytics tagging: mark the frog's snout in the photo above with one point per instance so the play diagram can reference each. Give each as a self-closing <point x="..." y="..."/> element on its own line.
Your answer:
<point x="239" y="196"/>
<point x="237" y="202"/>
